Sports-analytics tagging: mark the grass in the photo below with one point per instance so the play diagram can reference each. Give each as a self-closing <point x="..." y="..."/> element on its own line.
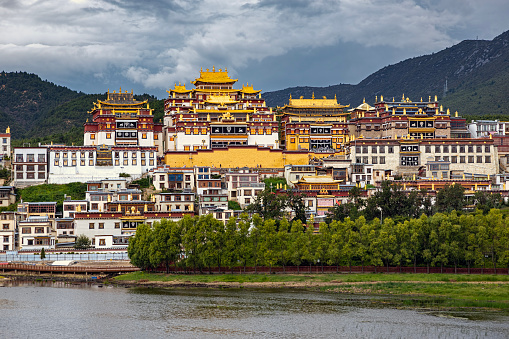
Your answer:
<point x="443" y="290"/>
<point x="303" y="277"/>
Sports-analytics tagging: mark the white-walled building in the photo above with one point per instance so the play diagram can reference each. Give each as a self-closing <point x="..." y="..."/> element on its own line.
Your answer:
<point x="30" y="166"/>
<point x="86" y="163"/>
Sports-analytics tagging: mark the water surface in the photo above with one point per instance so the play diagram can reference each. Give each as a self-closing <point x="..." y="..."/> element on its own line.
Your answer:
<point x="59" y="310"/>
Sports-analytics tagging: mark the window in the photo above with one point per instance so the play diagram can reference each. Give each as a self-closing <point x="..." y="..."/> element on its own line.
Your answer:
<point x="428" y="149"/>
<point x="373" y="149"/>
<point x="374" y="160"/>
<point x="143" y="162"/>
<point x="462" y="159"/>
<point x="41" y="175"/>
<point x="134" y="161"/>
<point x="108" y="135"/>
<point x="5" y="226"/>
<point x="462" y="149"/>
<point x="82" y="162"/>
<point x="487" y="149"/>
<point x="144" y="135"/>
<point x="478" y="149"/>
<point x="437" y="158"/>
<point x="91" y="226"/>
<point x="126" y="162"/>
<point x="42" y="167"/>
<point x="65" y="162"/>
<point x="41" y="158"/>
<point x="479" y="159"/>
<point x="117" y="162"/>
<point x="364" y="149"/>
<point x="470" y="149"/>
<point x="382" y="160"/>
<point x="391" y="150"/>
<point x="446" y="158"/>
<point x="446" y="149"/>
<point x="117" y="225"/>
<point x="92" y="136"/>
<point x="454" y="159"/>
<point x="487" y="159"/>
<point x="101" y="225"/>
<point x="91" y="163"/>
<point x="454" y="149"/>
<point x="437" y="149"/>
<point x="102" y="242"/>
<point x="470" y="159"/>
<point x="382" y="149"/>
<point x="65" y="155"/>
<point x="74" y="163"/>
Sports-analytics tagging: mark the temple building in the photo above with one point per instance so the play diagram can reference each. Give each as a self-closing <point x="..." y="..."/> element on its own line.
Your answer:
<point x="406" y="118"/>
<point x="317" y="125"/>
<point x="121" y="120"/>
<point x="215" y="115"/>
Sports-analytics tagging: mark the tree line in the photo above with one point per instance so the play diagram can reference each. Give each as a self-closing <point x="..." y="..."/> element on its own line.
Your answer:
<point x="443" y="239"/>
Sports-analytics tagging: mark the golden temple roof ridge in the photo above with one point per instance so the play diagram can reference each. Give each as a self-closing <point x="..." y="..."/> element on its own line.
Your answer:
<point x="214" y="77"/>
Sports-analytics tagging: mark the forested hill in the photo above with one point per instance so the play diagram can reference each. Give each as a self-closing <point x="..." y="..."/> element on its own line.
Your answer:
<point x="26" y="99"/>
<point x="477" y="74"/>
<point x="40" y="111"/>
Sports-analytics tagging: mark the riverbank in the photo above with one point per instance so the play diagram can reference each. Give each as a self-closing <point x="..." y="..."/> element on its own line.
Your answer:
<point x="441" y="290"/>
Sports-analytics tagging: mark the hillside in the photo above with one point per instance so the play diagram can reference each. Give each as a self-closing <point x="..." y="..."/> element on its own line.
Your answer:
<point x="40" y="111"/>
<point x="477" y="73"/>
<point x="25" y="99"/>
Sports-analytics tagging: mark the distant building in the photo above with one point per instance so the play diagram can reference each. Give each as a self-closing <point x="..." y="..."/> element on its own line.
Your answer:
<point x="122" y="121"/>
<point x="5" y="143"/>
<point x="215" y="115"/>
<point x="30" y="166"/>
<point x="317" y="125"/>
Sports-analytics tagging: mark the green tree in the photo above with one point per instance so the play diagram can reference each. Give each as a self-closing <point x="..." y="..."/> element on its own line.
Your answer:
<point x="269" y="205"/>
<point x="297" y="243"/>
<point x="295" y="201"/>
<point x="450" y="198"/>
<point x="82" y="242"/>
<point x="138" y="249"/>
<point x="193" y="238"/>
<point x="43" y="254"/>
<point x="268" y="246"/>
<point x="233" y="205"/>
<point x="166" y="245"/>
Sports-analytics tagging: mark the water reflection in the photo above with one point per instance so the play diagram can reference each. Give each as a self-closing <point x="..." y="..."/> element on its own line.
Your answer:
<point x="63" y="310"/>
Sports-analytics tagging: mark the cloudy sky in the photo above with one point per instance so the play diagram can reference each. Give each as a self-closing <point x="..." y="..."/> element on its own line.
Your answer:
<point x="148" y="45"/>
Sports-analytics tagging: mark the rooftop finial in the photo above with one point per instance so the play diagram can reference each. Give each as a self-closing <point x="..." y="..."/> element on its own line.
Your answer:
<point x="213" y="68"/>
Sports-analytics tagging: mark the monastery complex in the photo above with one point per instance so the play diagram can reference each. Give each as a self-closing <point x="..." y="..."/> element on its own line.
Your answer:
<point x="219" y="141"/>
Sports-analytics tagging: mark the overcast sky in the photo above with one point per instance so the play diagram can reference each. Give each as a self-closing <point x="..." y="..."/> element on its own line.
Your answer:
<point x="148" y="45"/>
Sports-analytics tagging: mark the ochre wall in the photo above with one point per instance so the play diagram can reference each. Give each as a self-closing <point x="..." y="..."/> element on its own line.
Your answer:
<point x="238" y="157"/>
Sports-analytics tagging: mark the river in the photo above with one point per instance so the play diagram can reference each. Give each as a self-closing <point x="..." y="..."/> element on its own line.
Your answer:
<point x="59" y="310"/>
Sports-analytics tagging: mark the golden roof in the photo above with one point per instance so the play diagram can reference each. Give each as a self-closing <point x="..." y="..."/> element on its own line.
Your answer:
<point x="314" y="103"/>
<point x="249" y="89"/>
<point x="363" y="107"/>
<point x="220" y="99"/>
<point x="180" y="89"/>
<point x="317" y="179"/>
<point x="214" y="77"/>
